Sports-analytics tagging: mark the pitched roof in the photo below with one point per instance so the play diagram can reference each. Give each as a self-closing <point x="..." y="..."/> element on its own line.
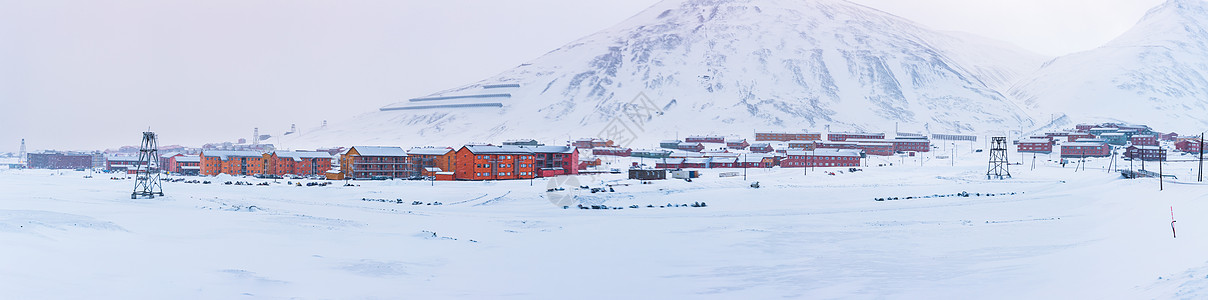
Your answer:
<point x="752" y="158"/>
<point x="379" y="151"/>
<point x="1096" y="144"/>
<point x="553" y="149"/>
<point x="189" y="158"/>
<point x="299" y="155"/>
<point x="224" y="154"/>
<point x="497" y="149"/>
<point x="429" y="151"/>
<point x="826" y="152"/>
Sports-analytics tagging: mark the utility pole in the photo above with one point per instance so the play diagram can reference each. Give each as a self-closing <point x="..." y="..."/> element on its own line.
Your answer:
<point x="744" y="167"/>
<point x="1201" y="176"/>
<point x="1161" y="175"/>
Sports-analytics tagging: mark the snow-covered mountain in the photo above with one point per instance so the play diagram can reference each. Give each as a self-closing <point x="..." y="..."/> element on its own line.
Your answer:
<point x="724" y="67"/>
<point x="1156" y="73"/>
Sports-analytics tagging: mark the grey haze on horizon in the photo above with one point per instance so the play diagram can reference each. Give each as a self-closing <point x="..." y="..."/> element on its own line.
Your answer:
<point x="85" y="75"/>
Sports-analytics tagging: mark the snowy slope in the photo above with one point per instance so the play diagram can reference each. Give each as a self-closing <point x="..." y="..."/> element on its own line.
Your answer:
<point x="1065" y="234"/>
<point x="725" y="67"/>
<point x="1156" y="73"/>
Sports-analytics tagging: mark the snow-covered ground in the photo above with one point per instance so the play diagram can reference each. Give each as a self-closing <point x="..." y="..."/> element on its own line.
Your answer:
<point x="1050" y="233"/>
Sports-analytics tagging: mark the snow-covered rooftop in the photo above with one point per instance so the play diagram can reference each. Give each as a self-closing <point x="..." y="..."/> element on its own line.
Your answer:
<point x="380" y="151"/>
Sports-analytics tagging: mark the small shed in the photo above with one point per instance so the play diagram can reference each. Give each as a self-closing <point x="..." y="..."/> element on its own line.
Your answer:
<point x="334" y="175"/>
<point x="444" y="176"/>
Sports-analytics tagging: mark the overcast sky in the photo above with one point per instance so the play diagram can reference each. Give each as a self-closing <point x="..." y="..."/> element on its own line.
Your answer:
<point x="92" y="74"/>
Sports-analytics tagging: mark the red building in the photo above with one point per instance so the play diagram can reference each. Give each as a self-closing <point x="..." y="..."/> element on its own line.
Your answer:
<point x="126" y="164"/>
<point x="1147" y="153"/>
<point x="553" y="161"/>
<point x="369" y="162"/>
<point x="1074" y="137"/>
<point x="591" y="143"/>
<point x="495" y="163"/>
<point x="1085" y="149"/>
<point x="1054" y="135"/>
<point x="901" y="144"/>
<point x="612" y="151"/>
<point x="299" y="163"/>
<point x="1189" y="146"/>
<point x="756" y="161"/>
<point x="844" y="136"/>
<point x="1035" y="146"/>
<point x="874" y="148"/>
<point x="689" y="146"/>
<point x="723" y="162"/>
<point x="822" y="158"/>
<point x="802" y="145"/>
<point x="705" y="139"/>
<point x="1169" y="137"/>
<point x="184" y="165"/>
<point x="165" y="161"/>
<point x="761" y="148"/>
<point x="1085" y="127"/>
<point x="670" y="163"/>
<point x="696" y="163"/>
<point x="214" y="162"/>
<point x="785" y="136"/>
<point x="737" y="144"/>
<point x="1144" y="140"/>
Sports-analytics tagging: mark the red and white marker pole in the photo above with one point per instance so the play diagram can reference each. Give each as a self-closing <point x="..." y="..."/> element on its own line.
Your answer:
<point x="1172" y="232"/>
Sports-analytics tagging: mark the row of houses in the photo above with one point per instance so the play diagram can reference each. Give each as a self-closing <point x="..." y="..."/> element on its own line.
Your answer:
<point x="1096" y="140"/>
<point x="870" y="143"/>
<point x="470" y="162"/>
<point x="880" y="147"/>
<point x="790" y="159"/>
<point x="253" y="163"/>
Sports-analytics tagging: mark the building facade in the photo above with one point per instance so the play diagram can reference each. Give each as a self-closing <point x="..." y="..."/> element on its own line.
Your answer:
<point x="59" y="160"/>
<point x="553" y="161"/>
<point x="1144" y="140"/>
<point x="495" y="163"/>
<point x="1035" y="146"/>
<point x="301" y="163"/>
<point x="1189" y="146"/>
<point x="214" y="162"/>
<point x="430" y="161"/>
<point x="844" y="136"/>
<point x="1147" y="153"/>
<point x="786" y="136"/>
<point x="1085" y="149"/>
<point x="822" y="158"/>
<point x="369" y="162"/>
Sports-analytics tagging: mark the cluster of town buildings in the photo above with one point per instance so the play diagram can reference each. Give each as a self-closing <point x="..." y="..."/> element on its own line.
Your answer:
<point x="527" y="159"/>
<point x="521" y="159"/>
<point x="1102" y="140"/>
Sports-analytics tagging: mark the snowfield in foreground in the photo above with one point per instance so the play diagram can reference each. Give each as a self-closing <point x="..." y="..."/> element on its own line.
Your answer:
<point x="1063" y="234"/>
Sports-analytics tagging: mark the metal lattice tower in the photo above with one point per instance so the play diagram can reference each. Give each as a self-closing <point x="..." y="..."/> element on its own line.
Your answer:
<point x="21" y="155"/>
<point x="146" y="182"/>
<point x="998" y="159"/>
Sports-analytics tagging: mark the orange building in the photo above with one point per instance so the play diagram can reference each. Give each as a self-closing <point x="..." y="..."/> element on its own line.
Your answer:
<point x="232" y="162"/>
<point x="366" y="162"/>
<point x="301" y="163"/>
<point x="494" y="163"/>
<point x="429" y="161"/>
